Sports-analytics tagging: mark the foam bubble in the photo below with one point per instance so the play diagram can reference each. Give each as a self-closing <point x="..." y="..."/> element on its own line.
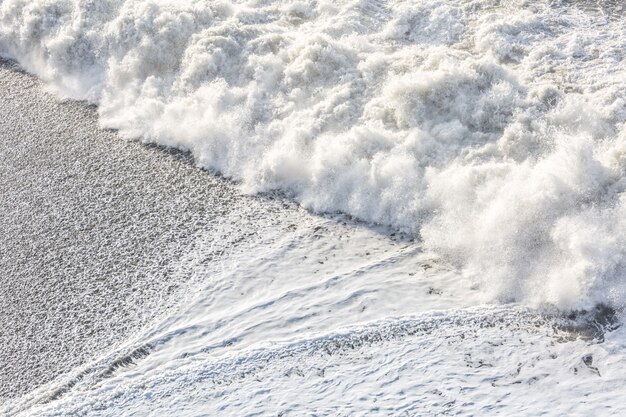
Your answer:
<point x="494" y="131"/>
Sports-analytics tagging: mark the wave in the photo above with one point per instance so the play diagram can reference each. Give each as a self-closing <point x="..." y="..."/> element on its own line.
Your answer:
<point x="494" y="131"/>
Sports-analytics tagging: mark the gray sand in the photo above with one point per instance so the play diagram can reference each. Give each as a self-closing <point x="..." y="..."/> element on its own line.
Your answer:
<point x="90" y="226"/>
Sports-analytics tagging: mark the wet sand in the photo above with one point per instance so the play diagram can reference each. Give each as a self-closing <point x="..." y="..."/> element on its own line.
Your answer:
<point x="90" y="229"/>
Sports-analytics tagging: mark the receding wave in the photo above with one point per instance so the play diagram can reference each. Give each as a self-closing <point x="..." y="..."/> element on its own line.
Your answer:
<point x="493" y="130"/>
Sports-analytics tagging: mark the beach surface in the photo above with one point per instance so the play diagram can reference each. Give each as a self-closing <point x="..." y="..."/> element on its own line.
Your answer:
<point x="90" y="228"/>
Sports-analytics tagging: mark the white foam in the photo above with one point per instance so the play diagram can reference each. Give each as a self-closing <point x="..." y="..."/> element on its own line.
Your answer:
<point x="495" y="132"/>
<point x="468" y="362"/>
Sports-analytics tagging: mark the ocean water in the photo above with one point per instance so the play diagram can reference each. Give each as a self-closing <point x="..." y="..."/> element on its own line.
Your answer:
<point x="459" y="245"/>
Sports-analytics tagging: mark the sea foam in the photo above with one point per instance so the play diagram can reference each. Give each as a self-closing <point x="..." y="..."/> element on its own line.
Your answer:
<point x="493" y="130"/>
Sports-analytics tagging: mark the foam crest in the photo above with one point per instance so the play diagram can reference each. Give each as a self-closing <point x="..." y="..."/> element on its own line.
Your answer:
<point x="494" y="130"/>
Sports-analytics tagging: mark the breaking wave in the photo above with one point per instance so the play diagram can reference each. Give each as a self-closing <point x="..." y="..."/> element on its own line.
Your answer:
<point x="493" y="130"/>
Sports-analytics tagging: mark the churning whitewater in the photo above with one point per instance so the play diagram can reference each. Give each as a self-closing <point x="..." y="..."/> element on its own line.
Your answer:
<point x="493" y="130"/>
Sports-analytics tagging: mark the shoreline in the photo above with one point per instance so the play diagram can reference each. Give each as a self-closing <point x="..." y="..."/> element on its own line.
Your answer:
<point x="87" y="222"/>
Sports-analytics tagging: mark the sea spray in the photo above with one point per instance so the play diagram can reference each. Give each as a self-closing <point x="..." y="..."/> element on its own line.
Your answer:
<point x="494" y="131"/>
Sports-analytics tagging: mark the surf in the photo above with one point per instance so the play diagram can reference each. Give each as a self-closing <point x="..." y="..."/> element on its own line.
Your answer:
<point x="491" y="131"/>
